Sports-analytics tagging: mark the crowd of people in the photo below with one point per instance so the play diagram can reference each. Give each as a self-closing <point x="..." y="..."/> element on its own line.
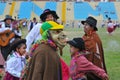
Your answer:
<point x="39" y="55"/>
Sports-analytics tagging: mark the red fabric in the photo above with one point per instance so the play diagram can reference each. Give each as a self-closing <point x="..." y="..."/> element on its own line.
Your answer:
<point x="110" y="30"/>
<point x="79" y="66"/>
<point x="65" y="70"/>
<point x="10" y="77"/>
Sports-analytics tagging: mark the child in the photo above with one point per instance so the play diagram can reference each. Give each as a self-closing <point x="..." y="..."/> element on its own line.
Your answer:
<point x="16" y="60"/>
<point x="79" y="65"/>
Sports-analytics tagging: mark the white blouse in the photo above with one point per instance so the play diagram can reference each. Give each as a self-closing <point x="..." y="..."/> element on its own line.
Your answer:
<point x="15" y="64"/>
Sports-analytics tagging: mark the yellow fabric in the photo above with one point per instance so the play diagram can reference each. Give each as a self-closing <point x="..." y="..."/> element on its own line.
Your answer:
<point x="55" y="25"/>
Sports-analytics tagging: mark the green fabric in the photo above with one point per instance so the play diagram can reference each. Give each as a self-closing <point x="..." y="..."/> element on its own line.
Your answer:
<point x="46" y="26"/>
<point x="44" y="35"/>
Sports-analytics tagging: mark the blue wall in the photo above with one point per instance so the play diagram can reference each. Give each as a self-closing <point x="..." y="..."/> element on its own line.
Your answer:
<point x="27" y="7"/>
<point x="82" y="10"/>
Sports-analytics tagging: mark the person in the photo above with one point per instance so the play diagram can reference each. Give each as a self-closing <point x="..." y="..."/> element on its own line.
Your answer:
<point x="103" y="24"/>
<point x="79" y="65"/>
<point x="6" y="28"/>
<point x="16" y="60"/>
<point x="34" y="35"/>
<point x="93" y="43"/>
<point x="110" y="26"/>
<point x="79" y="24"/>
<point x="32" y="24"/>
<point x="45" y="63"/>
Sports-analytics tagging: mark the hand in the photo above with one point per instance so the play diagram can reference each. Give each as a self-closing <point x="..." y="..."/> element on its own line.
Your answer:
<point x="106" y="77"/>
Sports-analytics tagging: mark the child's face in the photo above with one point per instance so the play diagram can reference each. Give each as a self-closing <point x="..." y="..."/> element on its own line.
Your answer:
<point x="22" y="49"/>
<point x="73" y="49"/>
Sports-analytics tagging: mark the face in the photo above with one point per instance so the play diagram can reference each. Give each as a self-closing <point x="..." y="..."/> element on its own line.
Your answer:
<point x="8" y="21"/>
<point x="59" y="37"/>
<point x="22" y="49"/>
<point x="49" y="17"/>
<point x="73" y="49"/>
<point x="87" y="28"/>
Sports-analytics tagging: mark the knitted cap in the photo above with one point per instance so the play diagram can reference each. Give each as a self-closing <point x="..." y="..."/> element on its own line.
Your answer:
<point x="50" y="25"/>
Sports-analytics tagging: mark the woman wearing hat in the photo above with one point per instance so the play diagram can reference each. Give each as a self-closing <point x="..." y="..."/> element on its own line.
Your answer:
<point x="16" y="60"/>
<point x="34" y="35"/>
<point x="79" y="65"/>
<point x="93" y="43"/>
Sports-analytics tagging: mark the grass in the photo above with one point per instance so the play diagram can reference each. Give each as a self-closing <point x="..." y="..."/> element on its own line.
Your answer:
<point x="111" y="45"/>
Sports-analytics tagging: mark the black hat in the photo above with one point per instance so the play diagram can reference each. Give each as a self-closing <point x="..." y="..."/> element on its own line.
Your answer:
<point x="8" y="17"/>
<point x="46" y="12"/>
<point x="78" y="43"/>
<point x="91" y="21"/>
<point x="16" y="42"/>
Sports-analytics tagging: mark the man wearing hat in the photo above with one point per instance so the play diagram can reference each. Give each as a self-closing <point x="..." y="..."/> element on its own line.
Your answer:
<point x="34" y="35"/>
<point x="45" y="62"/>
<point x="6" y="28"/>
<point x="93" y="43"/>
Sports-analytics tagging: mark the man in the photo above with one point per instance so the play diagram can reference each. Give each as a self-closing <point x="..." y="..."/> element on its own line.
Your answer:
<point x="45" y="63"/>
<point x="6" y="35"/>
<point x="34" y="35"/>
<point x="32" y="24"/>
<point x="93" y="43"/>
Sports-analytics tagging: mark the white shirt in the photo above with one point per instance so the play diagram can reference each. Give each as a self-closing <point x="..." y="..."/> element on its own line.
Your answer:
<point x="33" y="36"/>
<point x="110" y="25"/>
<point x="3" y="28"/>
<point x="15" y="64"/>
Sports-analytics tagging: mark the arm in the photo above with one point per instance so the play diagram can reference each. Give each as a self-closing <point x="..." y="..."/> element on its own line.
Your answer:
<point x="2" y="28"/>
<point x="32" y="35"/>
<point x="85" y="66"/>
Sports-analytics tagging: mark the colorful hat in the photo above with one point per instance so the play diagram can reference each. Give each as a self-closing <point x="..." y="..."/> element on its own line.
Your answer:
<point x="46" y="12"/>
<point x="50" y="25"/>
<point x="8" y="17"/>
<point x="91" y="21"/>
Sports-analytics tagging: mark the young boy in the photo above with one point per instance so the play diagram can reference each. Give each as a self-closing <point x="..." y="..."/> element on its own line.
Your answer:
<point x="79" y="65"/>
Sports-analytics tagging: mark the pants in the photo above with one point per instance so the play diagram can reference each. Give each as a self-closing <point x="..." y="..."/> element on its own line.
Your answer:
<point x="5" y="51"/>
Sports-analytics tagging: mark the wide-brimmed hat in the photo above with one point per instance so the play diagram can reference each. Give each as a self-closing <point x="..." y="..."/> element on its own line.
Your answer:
<point x="16" y="42"/>
<point x="50" y="25"/>
<point x="46" y="12"/>
<point x="7" y="17"/>
<point x="91" y="21"/>
<point x="78" y="43"/>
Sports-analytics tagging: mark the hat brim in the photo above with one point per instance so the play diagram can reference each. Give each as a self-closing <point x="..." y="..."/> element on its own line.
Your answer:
<point x="95" y="28"/>
<point x="42" y="16"/>
<point x="71" y="43"/>
<point x="8" y="19"/>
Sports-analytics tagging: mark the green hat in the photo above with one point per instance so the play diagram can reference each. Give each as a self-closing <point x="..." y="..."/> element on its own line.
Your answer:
<point x="50" y="25"/>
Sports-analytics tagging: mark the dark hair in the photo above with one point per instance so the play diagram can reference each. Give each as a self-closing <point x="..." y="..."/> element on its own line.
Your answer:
<point x="19" y="46"/>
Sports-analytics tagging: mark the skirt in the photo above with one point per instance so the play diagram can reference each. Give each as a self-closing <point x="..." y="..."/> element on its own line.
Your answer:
<point x="8" y="76"/>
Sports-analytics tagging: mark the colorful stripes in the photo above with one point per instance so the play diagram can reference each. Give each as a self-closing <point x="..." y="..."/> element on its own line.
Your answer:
<point x="12" y="8"/>
<point x="63" y="12"/>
